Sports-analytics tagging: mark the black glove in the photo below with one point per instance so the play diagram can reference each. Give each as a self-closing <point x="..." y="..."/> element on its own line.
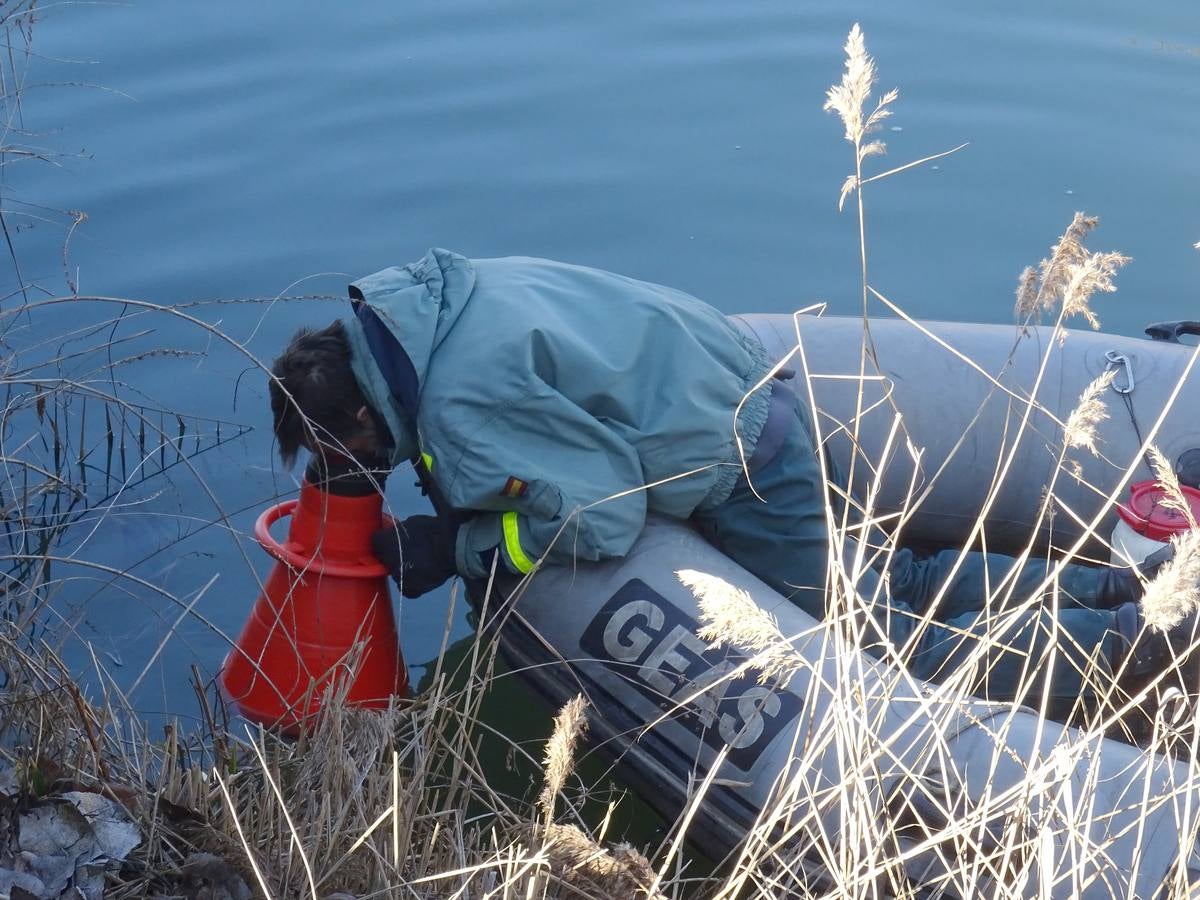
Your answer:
<point x="418" y="552"/>
<point x="1124" y="584"/>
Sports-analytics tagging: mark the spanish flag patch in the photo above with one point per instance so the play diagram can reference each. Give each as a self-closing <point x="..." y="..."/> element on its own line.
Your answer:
<point x="514" y="487"/>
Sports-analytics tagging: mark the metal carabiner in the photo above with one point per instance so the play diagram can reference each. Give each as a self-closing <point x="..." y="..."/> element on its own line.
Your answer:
<point x="1120" y="360"/>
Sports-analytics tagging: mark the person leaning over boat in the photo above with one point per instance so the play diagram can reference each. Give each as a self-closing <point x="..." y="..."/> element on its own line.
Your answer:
<point x="554" y="406"/>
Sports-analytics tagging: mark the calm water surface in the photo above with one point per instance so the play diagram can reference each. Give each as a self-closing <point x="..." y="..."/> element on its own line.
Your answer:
<point x="249" y="150"/>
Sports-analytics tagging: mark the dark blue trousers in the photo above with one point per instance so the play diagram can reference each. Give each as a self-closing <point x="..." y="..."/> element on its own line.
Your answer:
<point x="784" y="541"/>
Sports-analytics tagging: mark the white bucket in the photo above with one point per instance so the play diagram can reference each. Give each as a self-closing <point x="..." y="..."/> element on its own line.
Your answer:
<point x="1145" y="524"/>
<point x="1128" y="547"/>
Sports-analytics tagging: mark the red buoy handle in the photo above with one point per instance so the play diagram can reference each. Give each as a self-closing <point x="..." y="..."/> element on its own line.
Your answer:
<point x="368" y="567"/>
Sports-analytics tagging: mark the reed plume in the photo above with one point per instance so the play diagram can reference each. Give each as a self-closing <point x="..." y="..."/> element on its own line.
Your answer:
<point x="1069" y="251"/>
<point x="730" y="618"/>
<point x="1093" y="274"/>
<point x="1164" y="475"/>
<point x="1080" y="430"/>
<point x="1175" y="592"/>
<point x="559" y="761"/>
<point x="850" y="97"/>
<point x="1027" y="292"/>
<point x="1070" y="276"/>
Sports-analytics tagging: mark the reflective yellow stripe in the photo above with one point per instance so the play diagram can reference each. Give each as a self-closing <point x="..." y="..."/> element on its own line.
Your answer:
<point x="428" y="460"/>
<point x="512" y="543"/>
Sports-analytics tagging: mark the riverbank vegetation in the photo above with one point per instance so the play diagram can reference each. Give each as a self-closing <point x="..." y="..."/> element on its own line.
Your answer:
<point x="404" y="803"/>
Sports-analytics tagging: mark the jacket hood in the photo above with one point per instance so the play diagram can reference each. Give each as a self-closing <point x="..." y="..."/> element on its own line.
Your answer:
<point x="401" y="317"/>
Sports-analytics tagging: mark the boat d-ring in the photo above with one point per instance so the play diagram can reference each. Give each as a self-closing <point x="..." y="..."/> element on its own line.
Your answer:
<point x="1120" y="360"/>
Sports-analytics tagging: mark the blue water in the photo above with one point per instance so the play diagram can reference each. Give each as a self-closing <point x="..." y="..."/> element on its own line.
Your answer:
<point x="249" y="150"/>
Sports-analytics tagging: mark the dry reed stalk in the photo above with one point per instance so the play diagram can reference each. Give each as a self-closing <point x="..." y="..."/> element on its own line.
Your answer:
<point x="1071" y="277"/>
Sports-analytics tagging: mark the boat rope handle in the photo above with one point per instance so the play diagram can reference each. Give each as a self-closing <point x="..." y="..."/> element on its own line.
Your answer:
<point x="1120" y="360"/>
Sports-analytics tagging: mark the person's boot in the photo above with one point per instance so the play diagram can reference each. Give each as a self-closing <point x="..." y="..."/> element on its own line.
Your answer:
<point x="1164" y="666"/>
<point x="1126" y="584"/>
<point x="1148" y="651"/>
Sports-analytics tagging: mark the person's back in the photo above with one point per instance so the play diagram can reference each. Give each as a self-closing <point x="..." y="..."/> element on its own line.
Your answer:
<point x="660" y="370"/>
<point x="553" y="395"/>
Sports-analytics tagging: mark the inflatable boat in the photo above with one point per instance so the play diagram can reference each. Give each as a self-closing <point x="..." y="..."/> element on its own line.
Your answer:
<point x="695" y="731"/>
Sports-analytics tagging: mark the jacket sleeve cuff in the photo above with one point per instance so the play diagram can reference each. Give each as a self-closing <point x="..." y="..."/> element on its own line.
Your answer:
<point x="488" y="532"/>
<point x="474" y="541"/>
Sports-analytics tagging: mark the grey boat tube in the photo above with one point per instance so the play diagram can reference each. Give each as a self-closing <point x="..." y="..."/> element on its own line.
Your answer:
<point x="964" y="416"/>
<point x="1101" y="818"/>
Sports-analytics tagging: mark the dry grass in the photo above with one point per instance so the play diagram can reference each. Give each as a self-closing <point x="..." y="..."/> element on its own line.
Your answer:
<point x="390" y="803"/>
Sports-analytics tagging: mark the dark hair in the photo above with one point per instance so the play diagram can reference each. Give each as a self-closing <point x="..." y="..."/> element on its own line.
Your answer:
<point x="313" y="390"/>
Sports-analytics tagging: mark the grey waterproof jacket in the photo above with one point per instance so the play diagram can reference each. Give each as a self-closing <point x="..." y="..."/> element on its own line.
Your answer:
<point x="560" y="402"/>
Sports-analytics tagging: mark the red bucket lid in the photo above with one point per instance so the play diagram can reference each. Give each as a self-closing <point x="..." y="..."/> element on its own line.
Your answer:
<point x="1146" y="514"/>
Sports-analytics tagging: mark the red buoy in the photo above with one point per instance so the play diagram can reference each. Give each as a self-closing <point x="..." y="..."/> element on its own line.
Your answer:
<point x="324" y="614"/>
